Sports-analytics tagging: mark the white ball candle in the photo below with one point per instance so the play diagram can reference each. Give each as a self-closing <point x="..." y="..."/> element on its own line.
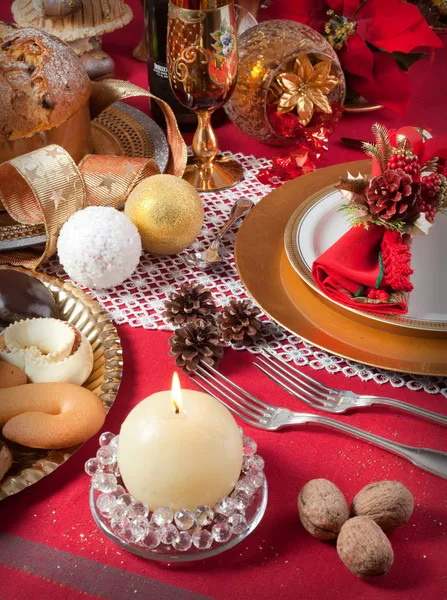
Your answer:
<point x="180" y="452"/>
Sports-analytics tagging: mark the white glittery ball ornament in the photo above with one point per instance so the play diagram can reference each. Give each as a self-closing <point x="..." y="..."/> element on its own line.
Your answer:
<point x="99" y="247"/>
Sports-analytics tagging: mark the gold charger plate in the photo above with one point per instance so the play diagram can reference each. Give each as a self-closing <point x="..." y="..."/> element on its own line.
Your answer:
<point x="85" y="314"/>
<point x="272" y="282"/>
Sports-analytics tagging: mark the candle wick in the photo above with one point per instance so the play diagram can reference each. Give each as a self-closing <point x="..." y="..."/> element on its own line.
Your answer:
<point x="177" y="409"/>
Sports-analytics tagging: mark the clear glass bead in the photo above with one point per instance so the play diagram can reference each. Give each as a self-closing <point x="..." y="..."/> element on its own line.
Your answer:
<point x="194" y="528"/>
<point x="118" y="491"/>
<point x="105" y="456"/>
<point x="184" y="519"/>
<point x="224" y="506"/>
<point x="255" y="462"/>
<point x="93" y="466"/>
<point x="204" y="515"/>
<point x="250" y="446"/>
<point x="137" y="509"/>
<point x="219" y="518"/>
<point x="104" y="482"/>
<point x="113" y="445"/>
<point x="183" y="541"/>
<point x="246" y="486"/>
<point x="168" y="533"/>
<point x="118" y="525"/>
<point x="203" y="539"/>
<point x="105" y="438"/>
<point x="126" y="499"/>
<point x="128" y="533"/>
<point x="117" y="472"/>
<point x="105" y="502"/>
<point x="241" y="499"/>
<point x="151" y="539"/>
<point x="162" y="516"/>
<point x="140" y="527"/>
<point x="256" y="478"/>
<point x="221" y="532"/>
<point x="237" y="522"/>
<point x="119" y="511"/>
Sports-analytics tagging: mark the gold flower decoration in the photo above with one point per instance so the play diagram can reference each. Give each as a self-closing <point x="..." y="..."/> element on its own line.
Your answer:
<point x="306" y="88"/>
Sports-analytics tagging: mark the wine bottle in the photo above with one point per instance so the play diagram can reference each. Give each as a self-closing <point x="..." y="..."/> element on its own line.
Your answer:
<point x="156" y="23"/>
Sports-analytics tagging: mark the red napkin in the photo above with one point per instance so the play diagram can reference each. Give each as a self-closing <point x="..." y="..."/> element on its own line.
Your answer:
<point x="367" y="269"/>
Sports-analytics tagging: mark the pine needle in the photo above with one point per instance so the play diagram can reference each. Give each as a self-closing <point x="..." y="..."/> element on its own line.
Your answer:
<point x="374" y="152"/>
<point x="383" y="142"/>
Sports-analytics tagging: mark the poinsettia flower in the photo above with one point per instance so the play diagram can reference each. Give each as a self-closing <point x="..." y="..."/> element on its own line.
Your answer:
<point x="394" y="26"/>
<point x="365" y="33"/>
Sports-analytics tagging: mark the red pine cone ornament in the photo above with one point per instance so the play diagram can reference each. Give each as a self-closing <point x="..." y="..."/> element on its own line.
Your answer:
<point x="393" y="195"/>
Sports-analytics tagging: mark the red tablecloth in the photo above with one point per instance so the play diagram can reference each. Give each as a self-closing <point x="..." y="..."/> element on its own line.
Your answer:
<point x="50" y="547"/>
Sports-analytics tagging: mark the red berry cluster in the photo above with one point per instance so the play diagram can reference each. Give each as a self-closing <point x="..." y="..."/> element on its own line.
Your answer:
<point x="428" y="200"/>
<point x="406" y="161"/>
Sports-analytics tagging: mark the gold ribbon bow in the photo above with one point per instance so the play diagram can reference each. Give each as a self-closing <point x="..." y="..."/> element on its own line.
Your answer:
<point x="46" y="186"/>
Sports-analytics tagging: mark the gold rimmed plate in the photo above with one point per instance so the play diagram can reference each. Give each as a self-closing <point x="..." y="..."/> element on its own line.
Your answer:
<point x="274" y="285"/>
<point x="318" y="223"/>
<point x="87" y="316"/>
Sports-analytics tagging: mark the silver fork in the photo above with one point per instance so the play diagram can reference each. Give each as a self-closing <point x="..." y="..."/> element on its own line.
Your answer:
<point x="266" y="416"/>
<point x="328" y="399"/>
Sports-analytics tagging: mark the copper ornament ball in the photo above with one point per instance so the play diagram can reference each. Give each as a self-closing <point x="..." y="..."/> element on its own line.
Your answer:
<point x="168" y="213"/>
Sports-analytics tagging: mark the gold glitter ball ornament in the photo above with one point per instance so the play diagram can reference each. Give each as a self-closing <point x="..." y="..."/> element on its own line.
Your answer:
<point x="168" y="213"/>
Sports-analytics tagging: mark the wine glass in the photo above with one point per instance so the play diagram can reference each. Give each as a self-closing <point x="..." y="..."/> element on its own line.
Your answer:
<point x="202" y="67"/>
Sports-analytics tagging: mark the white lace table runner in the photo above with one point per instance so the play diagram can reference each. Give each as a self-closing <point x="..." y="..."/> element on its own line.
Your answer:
<point x="140" y="300"/>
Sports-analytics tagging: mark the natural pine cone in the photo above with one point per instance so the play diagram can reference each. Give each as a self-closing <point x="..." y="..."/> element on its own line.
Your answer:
<point x="193" y="343"/>
<point x="192" y="302"/>
<point x="393" y="196"/>
<point x="238" y="322"/>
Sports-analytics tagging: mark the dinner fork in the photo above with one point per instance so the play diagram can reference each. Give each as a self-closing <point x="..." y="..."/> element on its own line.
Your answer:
<point x="266" y="416"/>
<point x="329" y="399"/>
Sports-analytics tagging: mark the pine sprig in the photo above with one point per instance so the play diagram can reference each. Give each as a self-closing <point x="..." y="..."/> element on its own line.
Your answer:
<point x="373" y="151"/>
<point x="364" y="220"/>
<point x="383" y="142"/>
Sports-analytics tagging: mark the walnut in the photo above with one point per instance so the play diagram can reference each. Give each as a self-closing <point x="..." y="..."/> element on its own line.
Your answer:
<point x="364" y="548"/>
<point x="322" y="509"/>
<point x="388" y="503"/>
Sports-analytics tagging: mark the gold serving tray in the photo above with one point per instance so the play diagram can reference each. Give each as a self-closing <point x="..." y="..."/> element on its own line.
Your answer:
<point x="87" y="316"/>
<point x="272" y="282"/>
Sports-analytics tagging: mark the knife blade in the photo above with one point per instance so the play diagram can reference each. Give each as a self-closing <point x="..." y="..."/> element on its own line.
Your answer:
<point x="352" y="142"/>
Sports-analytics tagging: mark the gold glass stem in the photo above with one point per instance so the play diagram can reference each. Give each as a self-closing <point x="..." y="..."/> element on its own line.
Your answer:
<point x="204" y="144"/>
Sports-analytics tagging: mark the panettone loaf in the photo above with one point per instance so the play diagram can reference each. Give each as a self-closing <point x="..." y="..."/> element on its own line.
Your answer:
<point x="42" y="83"/>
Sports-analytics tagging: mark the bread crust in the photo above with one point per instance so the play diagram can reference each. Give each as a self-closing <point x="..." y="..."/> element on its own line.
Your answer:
<point x="42" y="83"/>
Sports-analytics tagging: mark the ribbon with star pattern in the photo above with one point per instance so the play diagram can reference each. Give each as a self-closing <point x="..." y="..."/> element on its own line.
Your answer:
<point x="46" y="187"/>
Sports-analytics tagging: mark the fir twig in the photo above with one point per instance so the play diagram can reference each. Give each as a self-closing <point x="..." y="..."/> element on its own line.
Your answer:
<point x="373" y="151"/>
<point x="383" y="142"/>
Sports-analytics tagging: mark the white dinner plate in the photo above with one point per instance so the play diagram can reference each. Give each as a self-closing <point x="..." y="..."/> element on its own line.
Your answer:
<point x="318" y="223"/>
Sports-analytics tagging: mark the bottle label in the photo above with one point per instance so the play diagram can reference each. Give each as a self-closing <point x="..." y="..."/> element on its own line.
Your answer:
<point x="160" y="70"/>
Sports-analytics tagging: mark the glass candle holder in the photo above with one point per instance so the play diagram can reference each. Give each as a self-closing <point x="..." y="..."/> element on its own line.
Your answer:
<point x="179" y="536"/>
<point x="266" y="51"/>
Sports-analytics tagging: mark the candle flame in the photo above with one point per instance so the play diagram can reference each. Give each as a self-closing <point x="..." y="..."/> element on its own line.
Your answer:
<point x="176" y="393"/>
